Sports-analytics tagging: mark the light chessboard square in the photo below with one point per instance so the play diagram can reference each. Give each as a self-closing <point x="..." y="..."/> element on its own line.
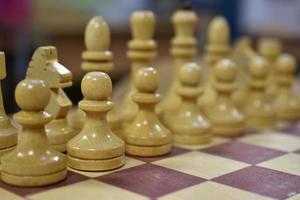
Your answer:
<point x="201" y="164"/>
<point x="288" y="163"/>
<point x="90" y="189"/>
<point x="295" y="197"/>
<point x="6" y="195"/>
<point x="213" y="191"/>
<point x="274" y="140"/>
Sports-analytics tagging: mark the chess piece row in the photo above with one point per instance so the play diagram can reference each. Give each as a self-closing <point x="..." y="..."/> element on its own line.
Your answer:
<point x="146" y="126"/>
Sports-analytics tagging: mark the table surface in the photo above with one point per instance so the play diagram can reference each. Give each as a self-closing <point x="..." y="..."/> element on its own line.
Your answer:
<point x="257" y="165"/>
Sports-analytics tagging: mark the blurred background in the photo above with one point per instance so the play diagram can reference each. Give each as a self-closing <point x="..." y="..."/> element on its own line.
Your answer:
<point x="25" y="25"/>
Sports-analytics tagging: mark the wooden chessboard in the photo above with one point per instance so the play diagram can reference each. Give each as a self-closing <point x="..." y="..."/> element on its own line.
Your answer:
<point x="258" y="165"/>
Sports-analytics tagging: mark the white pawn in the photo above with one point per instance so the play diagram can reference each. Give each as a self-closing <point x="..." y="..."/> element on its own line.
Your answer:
<point x="33" y="162"/>
<point x="96" y="147"/>
<point x="287" y="104"/>
<point x="146" y="135"/>
<point x="226" y="119"/>
<point x="258" y="108"/>
<point x="189" y="125"/>
<point x="8" y="133"/>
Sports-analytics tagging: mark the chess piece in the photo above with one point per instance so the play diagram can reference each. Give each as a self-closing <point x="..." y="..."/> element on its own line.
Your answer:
<point x="258" y="110"/>
<point x="8" y="133"/>
<point x="287" y="104"/>
<point x="189" y="125"/>
<point x="141" y="51"/>
<point x="33" y="162"/>
<point x="146" y="135"/>
<point x="217" y="48"/>
<point x="270" y="49"/>
<point x="97" y="57"/>
<point x="242" y="55"/>
<point x="183" y="50"/>
<point x="45" y="66"/>
<point x="226" y="119"/>
<point x="96" y="147"/>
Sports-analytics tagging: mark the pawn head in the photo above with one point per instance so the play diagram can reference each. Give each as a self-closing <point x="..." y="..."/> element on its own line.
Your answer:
<point x="269" y="47"/>
<point x="190" y="74"/>
<point x="218" y="31"/>
<point x="286" y="63"/>
<point x="225" y="70"/>
<point x="258" y="67"/>
<point x="146" y="80"/>
<point x="185" y="22"/>
<point x="96" y="86"/>
<point x="142" y="24"/>
<point x="32" y="95"/>
<point x="97" y="35"/>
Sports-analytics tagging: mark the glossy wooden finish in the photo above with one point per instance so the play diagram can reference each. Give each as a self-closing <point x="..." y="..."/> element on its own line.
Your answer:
<point x="287" y="104"/>
<point x="183" y="50"/>
<point x="8" y="133"/>
<point x="141" y="52"/>
<point x="33" y="162"/>
<point x="258" y="109"/>
<point x="226" y="119"/>
<point x="45" y="66"/>
<point x="146" y="135"/>
<point x="188" y="124"/>
<point x="217" y="47"/>
<point x="96" y="147"/>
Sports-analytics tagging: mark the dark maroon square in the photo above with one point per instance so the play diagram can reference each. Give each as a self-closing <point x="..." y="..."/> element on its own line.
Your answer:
<point x="150" y="180"/>
<point x="23" y="191"/>
<point x="298" y="151"/>
<point x="263" y="181"/>
<point x="244" y="152"/>
<point x="175" y="151"/>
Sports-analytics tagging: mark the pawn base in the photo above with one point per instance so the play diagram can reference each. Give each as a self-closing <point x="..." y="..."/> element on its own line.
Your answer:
<point x="33" y="181"/>
<point x="191" y="139"/>
<point x="57" y="138"/>
<point x="228" y="131"/>
<point x="148" y="151"/>
<point x="96" y="165"/>
<point x="260" y="124"/>
<point x="5" y="151"/>
<point x="8" y="138"/>
<point x="292" y="117"/>
<point x="59" y="147"/>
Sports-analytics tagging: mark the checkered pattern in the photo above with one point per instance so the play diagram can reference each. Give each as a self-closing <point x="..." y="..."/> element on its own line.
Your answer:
<point x="263" y="165"/>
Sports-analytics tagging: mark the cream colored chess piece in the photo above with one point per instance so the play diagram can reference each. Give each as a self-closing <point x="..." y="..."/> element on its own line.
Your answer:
<point x="33" y="162"/>
<point x="45" y="66"/>
<point x="96" y="147"/>
<point x="183" y="50"/>
<point x="189" y="125"/>
<point x="226" y="119"/>
<point x="287" y="104"/>
<point x="8" y="133"/>
<point x="270" y="49"/>
<point x="141" y="51"/>
<point x="97" y="57"/>
<point x="218" y="36"/>
<point x="258" y="109"/>
<point x="146" y="135"/>
<point x="242" y="55"/>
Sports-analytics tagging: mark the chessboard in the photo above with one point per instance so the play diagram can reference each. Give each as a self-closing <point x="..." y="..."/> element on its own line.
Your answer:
<point x="255" y="166"/>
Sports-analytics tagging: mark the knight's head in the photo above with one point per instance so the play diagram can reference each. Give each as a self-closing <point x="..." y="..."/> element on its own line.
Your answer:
<point x="45" y="66"/>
